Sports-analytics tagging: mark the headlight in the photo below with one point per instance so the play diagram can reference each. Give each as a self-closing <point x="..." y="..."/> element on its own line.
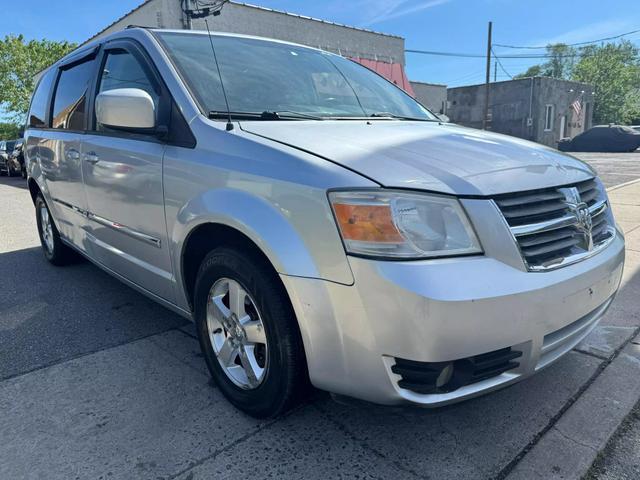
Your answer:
<point x="397" y="224"/>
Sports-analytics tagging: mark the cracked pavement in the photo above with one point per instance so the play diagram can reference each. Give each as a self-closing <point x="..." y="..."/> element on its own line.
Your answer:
<point x="97" y="381"/>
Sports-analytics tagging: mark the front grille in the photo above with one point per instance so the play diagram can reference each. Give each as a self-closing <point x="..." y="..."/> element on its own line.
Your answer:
<point x="427" y="377"/>
<point x="548" y="227"/>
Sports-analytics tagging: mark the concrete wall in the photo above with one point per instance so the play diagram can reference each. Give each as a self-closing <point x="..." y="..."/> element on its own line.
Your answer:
<point x="561" y="94"/>
<point x="252" y="20"/>
<point x="508" y="106"/>
<point x="517" y="107"/>
<point x="431" y="95"/>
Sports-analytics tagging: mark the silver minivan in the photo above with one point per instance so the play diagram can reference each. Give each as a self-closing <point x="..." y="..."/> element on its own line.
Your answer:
<point x="319" y="226"/>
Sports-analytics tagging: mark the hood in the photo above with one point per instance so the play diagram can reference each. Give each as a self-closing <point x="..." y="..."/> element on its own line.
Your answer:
<point x="430" y="156"/>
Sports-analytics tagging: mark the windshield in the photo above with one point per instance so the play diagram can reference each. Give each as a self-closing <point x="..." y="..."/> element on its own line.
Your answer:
<point x="264" y="76"/>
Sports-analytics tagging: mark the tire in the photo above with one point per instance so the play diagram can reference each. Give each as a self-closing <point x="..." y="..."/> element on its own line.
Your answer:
<point x="279" y="379"/>
<point x="52" y="246"/>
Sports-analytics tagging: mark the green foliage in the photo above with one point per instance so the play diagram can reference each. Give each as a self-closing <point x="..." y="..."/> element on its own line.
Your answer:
<point x="532" y="71"/>
<point x="20" y="61"/>
<point x="8" y="131"/>
<point x="614" y="70"/>
<point x="560" y="64"/>
<point x="561" y="61"/>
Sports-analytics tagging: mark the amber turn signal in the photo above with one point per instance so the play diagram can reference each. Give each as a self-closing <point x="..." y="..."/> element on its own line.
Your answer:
<point x="367" y="223"/>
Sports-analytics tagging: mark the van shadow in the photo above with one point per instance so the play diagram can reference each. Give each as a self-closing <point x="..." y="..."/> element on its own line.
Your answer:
<point x="16" y="182"/>
<point x="49" y="314"/>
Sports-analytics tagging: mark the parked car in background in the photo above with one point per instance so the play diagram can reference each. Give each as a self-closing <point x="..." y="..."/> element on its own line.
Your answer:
<point x="15" y="160"/>
<point x="603" y="138"/>
<point x="636" y="127"/>
<point x="6" y="148"/>
<point x="315" y="222"/>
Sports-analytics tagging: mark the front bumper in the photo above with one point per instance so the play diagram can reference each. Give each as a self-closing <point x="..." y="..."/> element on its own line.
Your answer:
<point x="445" y="310"/>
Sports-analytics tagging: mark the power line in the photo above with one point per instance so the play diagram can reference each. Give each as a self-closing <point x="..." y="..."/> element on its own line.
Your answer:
<point x="523" y="55"/>
<point x="569" y="44"/>
<point x="500" y="64"/>
<point x="480" y="55"/>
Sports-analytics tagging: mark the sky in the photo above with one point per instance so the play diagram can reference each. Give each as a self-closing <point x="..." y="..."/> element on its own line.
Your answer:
<point x="437" y="25"/>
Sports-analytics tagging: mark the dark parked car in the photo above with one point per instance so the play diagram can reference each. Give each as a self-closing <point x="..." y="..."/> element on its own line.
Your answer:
<point x="15" y="161"/>
<point x="6" y="148"/>
<point x="603" y="138"/>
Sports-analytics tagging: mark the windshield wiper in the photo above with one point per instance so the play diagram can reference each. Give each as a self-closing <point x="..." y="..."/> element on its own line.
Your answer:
<point x="279" y="114"/>
<point x="400" y="117"/>
<point x="265" y="115"/>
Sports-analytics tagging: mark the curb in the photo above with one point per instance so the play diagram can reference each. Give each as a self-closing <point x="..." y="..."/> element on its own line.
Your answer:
<point x="570" y="446"/>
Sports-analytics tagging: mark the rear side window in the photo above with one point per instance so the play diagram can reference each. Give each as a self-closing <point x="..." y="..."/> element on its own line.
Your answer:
<point x="70" y="100"/>
<point x="38" y="110"/>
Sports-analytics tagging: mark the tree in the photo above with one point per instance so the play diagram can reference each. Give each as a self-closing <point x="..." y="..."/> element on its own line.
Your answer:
<point x="20" y="61"/>
<point x="533" y="71"/>
<point x="561" y="61"/>
<point x="8" y="130"/>
<point x="614" y="70"/>
<point x="560" y="64"/>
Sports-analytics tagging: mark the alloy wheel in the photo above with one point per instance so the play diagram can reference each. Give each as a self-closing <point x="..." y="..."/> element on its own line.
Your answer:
<point x="237" y="333"/>
<point x="47" y="228"/>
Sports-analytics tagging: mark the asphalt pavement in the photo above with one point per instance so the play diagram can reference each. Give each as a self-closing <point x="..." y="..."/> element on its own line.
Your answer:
<point x="97" y="381"/>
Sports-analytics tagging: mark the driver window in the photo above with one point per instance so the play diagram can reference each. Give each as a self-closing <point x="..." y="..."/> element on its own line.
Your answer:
<point x="122" y="70"/>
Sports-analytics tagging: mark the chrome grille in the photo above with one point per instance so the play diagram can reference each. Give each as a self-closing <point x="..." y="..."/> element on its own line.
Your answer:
<point x="558" y="226"/>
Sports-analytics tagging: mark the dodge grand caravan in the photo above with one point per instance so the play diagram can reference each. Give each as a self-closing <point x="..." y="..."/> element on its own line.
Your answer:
<point x="318" y="225"/>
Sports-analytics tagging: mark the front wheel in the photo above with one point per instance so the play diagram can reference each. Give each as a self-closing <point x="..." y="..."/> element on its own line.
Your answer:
<point x="249" y="334"/>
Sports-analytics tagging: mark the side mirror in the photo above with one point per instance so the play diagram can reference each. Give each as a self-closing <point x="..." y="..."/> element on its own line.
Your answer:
<point x="126" y="108"/>
<point x="443" y="118"/>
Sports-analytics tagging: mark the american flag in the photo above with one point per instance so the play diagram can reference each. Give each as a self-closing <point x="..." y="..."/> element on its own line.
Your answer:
<point x="577" y="107"/>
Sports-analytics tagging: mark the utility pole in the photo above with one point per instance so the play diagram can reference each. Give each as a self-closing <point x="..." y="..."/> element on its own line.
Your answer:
<point x="488" y="80"/>
<point x="187" y="8"/>
<point x="495" y="71"/>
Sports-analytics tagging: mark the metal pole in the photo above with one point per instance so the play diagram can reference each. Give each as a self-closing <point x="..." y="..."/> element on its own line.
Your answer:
<point x="488" y="80"/>
<point x="187" y="7"/>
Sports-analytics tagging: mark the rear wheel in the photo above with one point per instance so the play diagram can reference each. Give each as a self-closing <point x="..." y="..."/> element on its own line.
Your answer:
<point x="249" y="334"/>
<point x="52" y="246"/>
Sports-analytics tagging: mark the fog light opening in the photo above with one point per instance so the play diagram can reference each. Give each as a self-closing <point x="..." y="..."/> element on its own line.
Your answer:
<point x="445" y="376"/>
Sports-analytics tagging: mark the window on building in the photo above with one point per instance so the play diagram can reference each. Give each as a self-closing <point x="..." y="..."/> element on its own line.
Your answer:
<point x="548" y="117"/>
<point x="70" y="101"/>
<point x="38" y="109"/>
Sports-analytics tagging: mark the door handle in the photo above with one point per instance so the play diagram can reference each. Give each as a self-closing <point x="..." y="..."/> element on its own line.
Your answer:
<point x="91" y="157"/>
<point x="72" y="154"/>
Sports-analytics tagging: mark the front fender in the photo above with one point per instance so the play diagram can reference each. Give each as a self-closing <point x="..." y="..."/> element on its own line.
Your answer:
<point x="295" y="230"/>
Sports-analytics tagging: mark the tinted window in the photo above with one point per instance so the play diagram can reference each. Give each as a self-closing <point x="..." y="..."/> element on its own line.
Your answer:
<point x="70" y="101"/>
<point x="38" y="109"/>
<point x="122" y="70"/>
<point x="260" y="75"/>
